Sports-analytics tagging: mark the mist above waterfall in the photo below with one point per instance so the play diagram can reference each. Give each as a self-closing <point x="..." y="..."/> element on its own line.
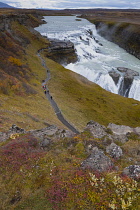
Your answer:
<point x="96" y="56"/>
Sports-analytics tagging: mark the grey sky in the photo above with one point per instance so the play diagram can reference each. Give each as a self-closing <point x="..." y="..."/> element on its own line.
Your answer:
<point x="61" y="4"/>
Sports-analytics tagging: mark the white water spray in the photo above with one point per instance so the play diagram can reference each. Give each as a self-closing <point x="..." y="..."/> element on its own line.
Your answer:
<point x="96" y="56"/>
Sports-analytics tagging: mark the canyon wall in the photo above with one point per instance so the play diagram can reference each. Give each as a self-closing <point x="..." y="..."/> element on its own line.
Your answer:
<point x="126" y="35"/>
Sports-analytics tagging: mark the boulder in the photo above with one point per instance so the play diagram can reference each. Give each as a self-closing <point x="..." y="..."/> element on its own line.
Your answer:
<point x="53" y="132"/>
<point x="115" y="76"/>
<point x="114" y="151"/>
<point x="90" y="33"/>
<point x="133" y="171"/>
<point x="12" y="131"/>
<point x="113" y="132"/>
<point x="128" y="72"/>
<point x="122" y="138"/>
<point x="137" y="130"/>
<point x="97" y="130"/>
<point x="16" y="129"/>
<point x="120" y="129"/>
<point x="4" y="136"/>
<point x="45" y="143"/>
<point x="98" y="161"/>
<point x="56" y="45"/>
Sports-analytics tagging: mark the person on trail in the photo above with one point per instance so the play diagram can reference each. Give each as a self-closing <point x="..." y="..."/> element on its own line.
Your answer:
<point x="44" y="88"/>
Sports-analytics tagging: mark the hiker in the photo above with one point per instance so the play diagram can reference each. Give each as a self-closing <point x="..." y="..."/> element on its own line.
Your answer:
<point x="44" y="88"/>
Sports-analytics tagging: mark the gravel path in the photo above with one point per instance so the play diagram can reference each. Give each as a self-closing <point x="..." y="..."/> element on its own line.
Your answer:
<point x="50" y="98"/>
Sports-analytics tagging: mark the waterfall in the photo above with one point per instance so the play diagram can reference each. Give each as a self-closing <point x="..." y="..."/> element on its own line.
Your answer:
<point x="96" y="56"/>
<point x="135" y="90"/>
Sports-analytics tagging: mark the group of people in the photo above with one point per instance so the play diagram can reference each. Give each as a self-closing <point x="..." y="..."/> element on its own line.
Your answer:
<point x="45" y="88"/>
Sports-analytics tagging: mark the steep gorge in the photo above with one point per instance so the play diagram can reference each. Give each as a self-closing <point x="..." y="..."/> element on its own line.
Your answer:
<point x="124" y="34"/>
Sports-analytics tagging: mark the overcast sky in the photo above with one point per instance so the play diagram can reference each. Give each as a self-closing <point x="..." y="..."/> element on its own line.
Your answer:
<point x="63" y="4"/>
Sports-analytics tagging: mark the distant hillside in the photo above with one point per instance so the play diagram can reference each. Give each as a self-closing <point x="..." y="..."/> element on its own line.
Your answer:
<point x="3" y="5"/>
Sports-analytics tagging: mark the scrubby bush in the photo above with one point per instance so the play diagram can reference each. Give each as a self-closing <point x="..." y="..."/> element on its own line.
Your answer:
<point x="62" y="184"/>
<point x="15" y="61"/>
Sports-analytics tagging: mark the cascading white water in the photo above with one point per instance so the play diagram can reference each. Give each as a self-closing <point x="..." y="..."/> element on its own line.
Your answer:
<point x="135" y="90"/>
<point x="96" y="56"/>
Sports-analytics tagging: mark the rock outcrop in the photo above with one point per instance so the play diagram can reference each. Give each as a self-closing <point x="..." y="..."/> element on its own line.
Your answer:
<point x="123" y="129"/>
<point x="98" y="161"/>
<point x="115" y="76"/>
<point x="23" y="19"/>
<point x="97" y="130"/>
<point x="114" y="151"/>
<point x="100" y="131"/>
<point x="112" y="133"/>
<point x="132" y="171"/>
<point x="128" y="72"/>
<point x="127" y="76"/>
<point x="52" y="132"/>
<point x="62" y="52"/>
<point x="44" y="135"/>
<point x="105" y="141"/>
<point x="101" y="148"/>
<point x="16" y="129"/>
<point x="12" y="133"/>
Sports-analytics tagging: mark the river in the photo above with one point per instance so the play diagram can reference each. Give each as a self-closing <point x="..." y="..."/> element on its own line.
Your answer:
<point x="96" y="55"/>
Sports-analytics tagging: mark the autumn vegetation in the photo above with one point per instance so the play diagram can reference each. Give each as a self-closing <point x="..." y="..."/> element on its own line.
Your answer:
<point x="34" y="178"/>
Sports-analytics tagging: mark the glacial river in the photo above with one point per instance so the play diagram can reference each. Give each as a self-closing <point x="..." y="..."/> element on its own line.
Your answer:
<point x="96" y="55"/>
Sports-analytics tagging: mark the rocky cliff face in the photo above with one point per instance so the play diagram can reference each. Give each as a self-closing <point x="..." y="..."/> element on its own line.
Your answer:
<point x="126" y="35"/>
<point x="13" y="42"/>
<point x="62" y="52"/>
<point x="127" y="75"/>
<point x="30" y="19"/>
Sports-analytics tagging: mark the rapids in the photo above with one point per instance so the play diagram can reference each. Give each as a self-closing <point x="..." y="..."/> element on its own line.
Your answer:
<point x="96" y="56"/>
